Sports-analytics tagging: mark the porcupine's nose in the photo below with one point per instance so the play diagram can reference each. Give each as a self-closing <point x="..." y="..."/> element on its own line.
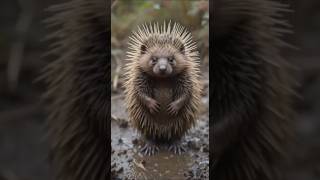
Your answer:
<point x="162" y="64"/>
<point x="162" y="68"/>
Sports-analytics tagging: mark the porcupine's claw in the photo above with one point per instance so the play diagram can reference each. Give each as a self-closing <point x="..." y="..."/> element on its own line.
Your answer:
<point x="149" y="149"/>
<point x="173" y="109"/>
<point x="154" y="106"/>
<point x="177" y="148"/>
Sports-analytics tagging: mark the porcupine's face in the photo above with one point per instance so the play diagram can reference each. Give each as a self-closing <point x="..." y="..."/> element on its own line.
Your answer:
<point x="162" y="62"/>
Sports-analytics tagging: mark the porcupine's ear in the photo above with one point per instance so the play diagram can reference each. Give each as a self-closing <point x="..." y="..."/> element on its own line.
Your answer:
<point x="143" y="49"/>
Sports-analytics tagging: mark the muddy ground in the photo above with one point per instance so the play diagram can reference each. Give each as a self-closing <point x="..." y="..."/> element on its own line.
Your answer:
<point x="128" y="163"/>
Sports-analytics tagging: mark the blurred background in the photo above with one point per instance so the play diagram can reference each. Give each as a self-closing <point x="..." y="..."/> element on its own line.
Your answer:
<point x="23" y="149"/>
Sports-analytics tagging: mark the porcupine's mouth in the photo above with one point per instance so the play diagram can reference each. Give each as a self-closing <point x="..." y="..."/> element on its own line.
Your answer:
<point x="163" y="75"/>
<point x="162" y="70"/>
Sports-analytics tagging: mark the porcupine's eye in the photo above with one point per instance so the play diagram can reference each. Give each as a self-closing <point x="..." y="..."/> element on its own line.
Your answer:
<point x="171" y="59"/>
<point x="154" y="59"/>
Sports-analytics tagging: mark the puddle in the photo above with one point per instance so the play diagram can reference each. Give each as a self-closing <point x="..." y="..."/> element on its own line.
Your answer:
<point x="163" y="165"/>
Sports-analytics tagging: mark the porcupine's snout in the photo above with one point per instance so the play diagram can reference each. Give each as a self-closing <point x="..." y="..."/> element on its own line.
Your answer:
<point x="163" y="67"/>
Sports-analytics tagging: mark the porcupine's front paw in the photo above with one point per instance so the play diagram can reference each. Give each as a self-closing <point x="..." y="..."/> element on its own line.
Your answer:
<point x="153" y="105"/>
<point x="149" y="149"/>
<point x="173" y="108"/>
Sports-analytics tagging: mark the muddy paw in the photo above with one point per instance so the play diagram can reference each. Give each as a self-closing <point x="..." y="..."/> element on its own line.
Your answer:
<point x="149" y="149"/>
<point x="177" y="148"/>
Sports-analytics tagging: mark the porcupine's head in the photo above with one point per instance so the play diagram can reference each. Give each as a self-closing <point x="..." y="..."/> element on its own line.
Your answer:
<point x="163" y="51"/>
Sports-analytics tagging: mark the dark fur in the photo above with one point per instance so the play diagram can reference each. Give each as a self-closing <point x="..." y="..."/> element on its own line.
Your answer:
<point x="78" y="97"/>
<point x="251" y="90"/>
<point x="151" y="98"/>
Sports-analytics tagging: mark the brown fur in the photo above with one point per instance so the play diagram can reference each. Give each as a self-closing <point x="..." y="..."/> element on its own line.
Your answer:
<point x="141" y="81"/>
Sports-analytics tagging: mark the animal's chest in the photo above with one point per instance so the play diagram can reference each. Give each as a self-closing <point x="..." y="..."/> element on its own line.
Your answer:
<point x="163" y="94"/>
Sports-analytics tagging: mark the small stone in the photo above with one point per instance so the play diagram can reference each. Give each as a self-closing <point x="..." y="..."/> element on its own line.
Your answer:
<point x="205" y="149"/>
<point x="122" y="152"/>
<point x="120" y="170"/>
<point x="123" y="124"/>
<point x="135" y="141"/>
<point x="196" y="155"/>
<point x="113" y="165"/>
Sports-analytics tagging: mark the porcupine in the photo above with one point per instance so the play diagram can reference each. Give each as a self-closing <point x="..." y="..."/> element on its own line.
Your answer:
<point x="251" y="90"/>
<point x="77" y="93"/>
<point x="162" y="85"/>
